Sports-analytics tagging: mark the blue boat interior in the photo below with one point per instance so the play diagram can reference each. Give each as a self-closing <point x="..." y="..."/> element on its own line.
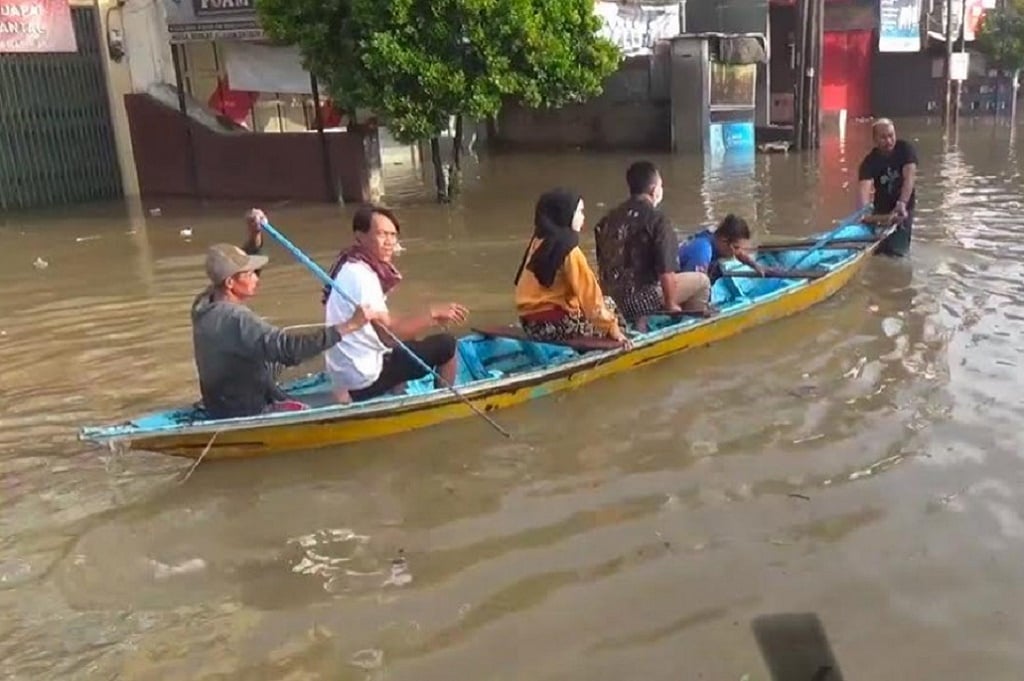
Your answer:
<point x="486" y="358"/>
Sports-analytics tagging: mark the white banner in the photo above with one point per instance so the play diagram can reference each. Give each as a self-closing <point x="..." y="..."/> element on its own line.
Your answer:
<point x="263" y="68"/>
<point x="635" y="28"/>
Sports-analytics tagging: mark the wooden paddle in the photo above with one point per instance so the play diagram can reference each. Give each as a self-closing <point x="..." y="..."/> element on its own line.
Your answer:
<point x="777" y="274"/>
<point x="581" y="343"/>
<point x="844" y="245"/>
<point x="324" y="277"/>
<point x="885" y="220"/>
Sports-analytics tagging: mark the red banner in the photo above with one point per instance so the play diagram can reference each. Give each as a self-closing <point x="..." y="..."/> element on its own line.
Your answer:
<point x="36" y="26"/>
<point x="975" y="11"/>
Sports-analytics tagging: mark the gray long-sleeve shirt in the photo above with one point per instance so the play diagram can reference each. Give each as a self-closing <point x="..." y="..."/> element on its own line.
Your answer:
<point x="234" y="352"/>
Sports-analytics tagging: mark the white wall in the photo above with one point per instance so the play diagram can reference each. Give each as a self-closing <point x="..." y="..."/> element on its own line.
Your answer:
<point x="147" y="43"/>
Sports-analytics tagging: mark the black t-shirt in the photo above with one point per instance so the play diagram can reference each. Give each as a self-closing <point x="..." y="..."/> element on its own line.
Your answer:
<point x="887" y="173"/>
<point x="635" y="246"/>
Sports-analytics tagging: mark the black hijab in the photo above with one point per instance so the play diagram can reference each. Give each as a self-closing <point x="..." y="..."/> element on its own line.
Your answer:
<point x="552" y="223"/>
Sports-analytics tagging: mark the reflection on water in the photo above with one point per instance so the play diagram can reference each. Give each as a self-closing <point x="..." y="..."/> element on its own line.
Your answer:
<point x="860" y="461"/>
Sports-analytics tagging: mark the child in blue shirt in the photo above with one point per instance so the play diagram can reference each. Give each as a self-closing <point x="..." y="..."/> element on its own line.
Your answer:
<point x="731" y="239"/>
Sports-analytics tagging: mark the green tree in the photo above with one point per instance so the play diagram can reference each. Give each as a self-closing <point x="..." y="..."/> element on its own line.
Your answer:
<point x="1001" y="38"/>
<point x="416" y="63"/>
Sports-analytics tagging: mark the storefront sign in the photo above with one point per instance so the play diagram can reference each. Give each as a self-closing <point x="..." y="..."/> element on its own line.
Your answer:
<point x="36" y="26"/>
<point x="203" y="7"/>
<point x="635" y="28"/>
<point x="202" y="20"/>
<point x="959" y="65"/>
<point x="899" y="25"/>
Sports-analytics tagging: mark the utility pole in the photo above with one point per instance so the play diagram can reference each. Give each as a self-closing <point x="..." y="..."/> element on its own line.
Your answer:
<point x="947" y="110"/>
<point x="958" y="85"/>
<point x="819" y="62"/>
<point x="801" y="72"/>
<point x="809" y="45"/>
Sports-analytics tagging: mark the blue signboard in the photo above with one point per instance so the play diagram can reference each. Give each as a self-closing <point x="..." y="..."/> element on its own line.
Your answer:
<point x="732" y="137"/>
<point x="899" y="25"/>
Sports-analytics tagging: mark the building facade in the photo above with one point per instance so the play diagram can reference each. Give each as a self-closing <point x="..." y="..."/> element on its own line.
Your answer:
<point x="63" y="137"/>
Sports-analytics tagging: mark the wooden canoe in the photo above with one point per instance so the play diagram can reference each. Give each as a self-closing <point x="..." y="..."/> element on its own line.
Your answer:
<point x="499" y="368"/>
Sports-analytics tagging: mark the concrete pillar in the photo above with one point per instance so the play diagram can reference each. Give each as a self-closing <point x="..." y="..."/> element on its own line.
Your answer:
<point x="689" y="84"/>
<point x="143" y="35"/>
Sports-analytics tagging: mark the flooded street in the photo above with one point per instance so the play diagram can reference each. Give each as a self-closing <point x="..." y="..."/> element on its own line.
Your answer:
<point x="861" y="461"/>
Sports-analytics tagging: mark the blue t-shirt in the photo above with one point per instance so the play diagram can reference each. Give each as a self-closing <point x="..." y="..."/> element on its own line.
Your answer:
<point x="697" y="253"/>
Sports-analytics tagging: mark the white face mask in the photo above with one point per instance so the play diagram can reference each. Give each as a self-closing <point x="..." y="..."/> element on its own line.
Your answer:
<point x="659" y="194"/>
<point x="578" y="218"/>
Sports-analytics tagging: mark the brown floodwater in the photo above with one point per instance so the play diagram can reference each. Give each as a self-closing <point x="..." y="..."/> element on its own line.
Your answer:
<point x="861" y="461"/>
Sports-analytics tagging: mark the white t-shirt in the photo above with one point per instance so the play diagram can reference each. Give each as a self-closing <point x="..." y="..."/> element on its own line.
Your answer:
<point x="355" y="362"/>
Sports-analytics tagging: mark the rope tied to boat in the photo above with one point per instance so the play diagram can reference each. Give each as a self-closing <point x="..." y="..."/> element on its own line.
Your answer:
<point x="199" y="460"/>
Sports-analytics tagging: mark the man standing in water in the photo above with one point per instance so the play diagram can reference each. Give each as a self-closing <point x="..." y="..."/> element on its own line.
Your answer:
<point x="889" y="172"/>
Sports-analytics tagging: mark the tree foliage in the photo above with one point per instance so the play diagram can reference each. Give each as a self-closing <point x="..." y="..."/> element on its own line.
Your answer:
<point x="1001" y="37"/>
<point x="418" y="62"/>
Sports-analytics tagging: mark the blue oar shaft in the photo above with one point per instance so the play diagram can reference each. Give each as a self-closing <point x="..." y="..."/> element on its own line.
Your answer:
<point x="851" y="219"/>
<point x="326" y="278"/>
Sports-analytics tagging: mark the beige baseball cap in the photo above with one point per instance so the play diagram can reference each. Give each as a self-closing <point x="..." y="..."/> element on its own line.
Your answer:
<point x="227" y="260"/>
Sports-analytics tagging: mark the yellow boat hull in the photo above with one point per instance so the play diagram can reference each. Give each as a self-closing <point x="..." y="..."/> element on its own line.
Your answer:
<point x="414" y="413"/>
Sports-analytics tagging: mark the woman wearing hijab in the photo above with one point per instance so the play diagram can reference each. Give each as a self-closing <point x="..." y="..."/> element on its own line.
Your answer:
<point x="557" y="294"/>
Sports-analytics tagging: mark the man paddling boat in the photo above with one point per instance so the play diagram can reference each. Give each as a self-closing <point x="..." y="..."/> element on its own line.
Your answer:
<point x="887" y="178"/>
<point x="235" y="349"/>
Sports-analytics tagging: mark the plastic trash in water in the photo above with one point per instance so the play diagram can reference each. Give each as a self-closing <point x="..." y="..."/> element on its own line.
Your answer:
<point x="165" y="571"/>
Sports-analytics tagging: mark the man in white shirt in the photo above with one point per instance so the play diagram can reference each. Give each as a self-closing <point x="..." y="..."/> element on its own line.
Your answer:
<point x="363" y="366"/>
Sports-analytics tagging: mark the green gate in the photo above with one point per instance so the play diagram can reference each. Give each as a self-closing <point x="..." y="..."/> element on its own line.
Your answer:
<point x="56" y="139"/>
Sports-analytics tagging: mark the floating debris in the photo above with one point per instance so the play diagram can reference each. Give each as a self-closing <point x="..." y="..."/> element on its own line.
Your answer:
<point x="780" y="146"/>
<point x="703" y="448"/>
<point x="368" y="659"/>
<point x="803" y="391"/>
<point x="155" y="212"/>
<point x="855" y="370"/>
<point x="186" y="232"/>
<point x="891" y="326"/>
<point x="40" y="264"/>
<point x="165" y="571"/>
<point x="810" y="438"/>
<point x="400" y="575"/>
<point x="91" y="237"/>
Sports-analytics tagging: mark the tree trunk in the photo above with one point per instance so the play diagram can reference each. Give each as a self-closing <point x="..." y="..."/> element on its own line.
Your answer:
<point x="457" y="150"/>
<point x="440" y="171"/>
<point x="456" y="172"/>
<point x="1014" y="91"/>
